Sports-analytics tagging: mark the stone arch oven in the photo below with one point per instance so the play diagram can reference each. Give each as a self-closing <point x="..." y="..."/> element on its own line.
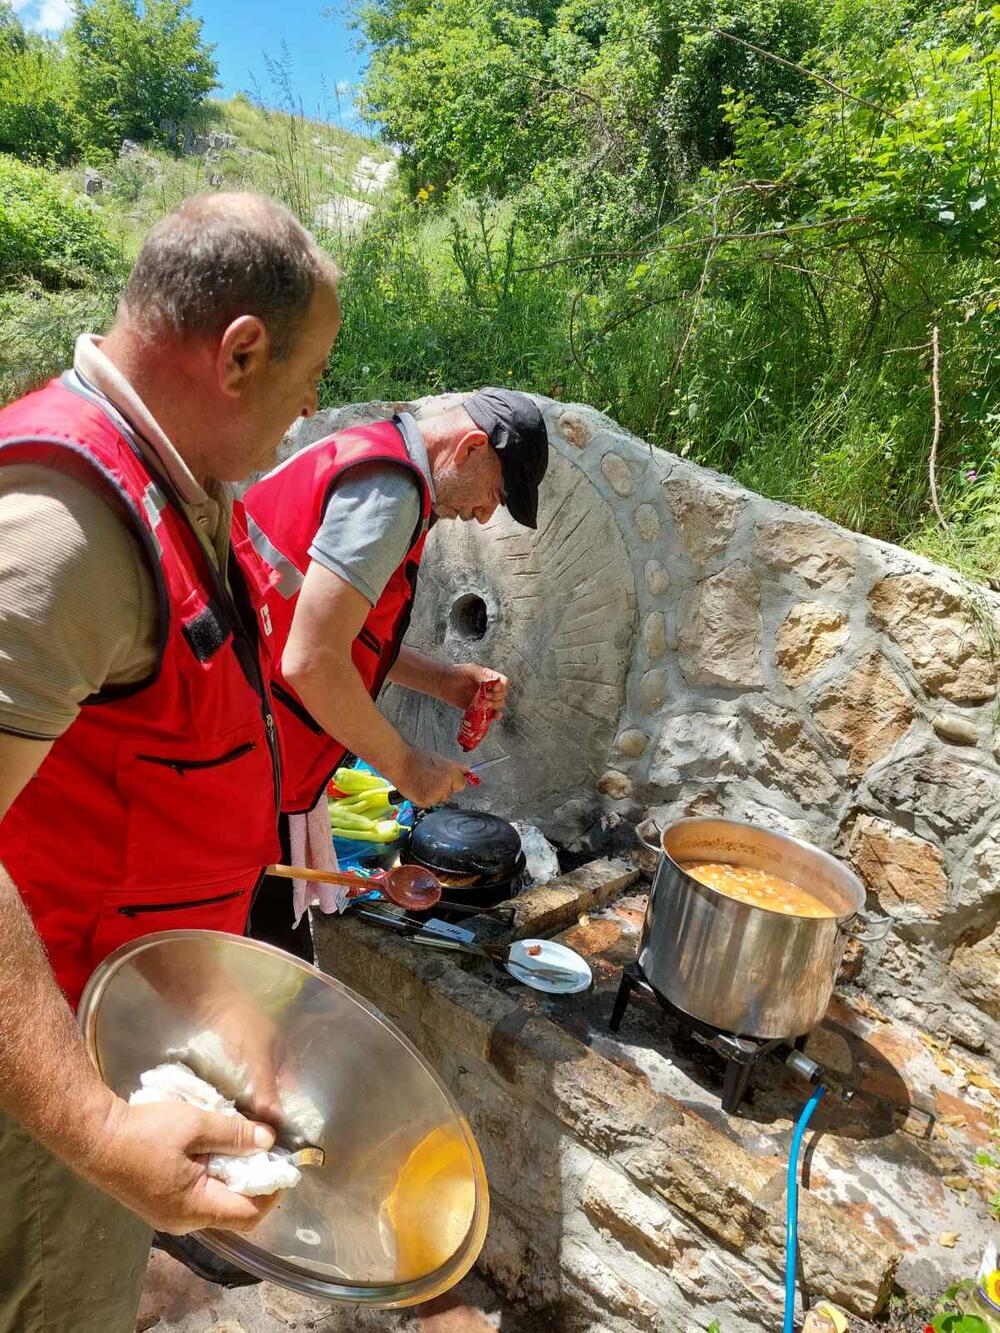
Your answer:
<point x="678" y="645"/>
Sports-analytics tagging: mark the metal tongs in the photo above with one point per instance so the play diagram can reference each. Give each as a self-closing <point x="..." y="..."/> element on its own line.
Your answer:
<point x="496" y="954"/>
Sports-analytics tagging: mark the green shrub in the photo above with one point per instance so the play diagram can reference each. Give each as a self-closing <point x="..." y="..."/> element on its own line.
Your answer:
<point x="45" y="233"/>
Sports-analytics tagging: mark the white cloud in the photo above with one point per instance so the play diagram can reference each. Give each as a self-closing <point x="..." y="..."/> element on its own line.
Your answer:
<point x="44" y="15"/>
<point x="344" y="87"/>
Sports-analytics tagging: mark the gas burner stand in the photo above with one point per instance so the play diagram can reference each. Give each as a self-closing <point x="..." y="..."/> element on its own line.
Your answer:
<point x="741" y="1054"/>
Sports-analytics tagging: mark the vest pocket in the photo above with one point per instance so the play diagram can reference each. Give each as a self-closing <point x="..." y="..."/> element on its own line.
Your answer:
<point x="183" y="766"/>
<point x="141" y="909"/>
<point x="127" y="914"/>
<point x="197" y="814"/>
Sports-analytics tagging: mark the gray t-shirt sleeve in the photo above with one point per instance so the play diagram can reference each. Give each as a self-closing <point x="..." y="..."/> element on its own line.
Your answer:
<point x="368" y="526"/>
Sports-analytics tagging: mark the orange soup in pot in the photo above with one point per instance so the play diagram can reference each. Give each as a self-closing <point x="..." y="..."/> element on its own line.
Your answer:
<point x="757" y="888"/>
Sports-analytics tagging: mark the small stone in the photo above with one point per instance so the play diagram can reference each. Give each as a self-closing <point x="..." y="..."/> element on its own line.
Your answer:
<point x="901" y="869"/>
<point x="865" y="713"/>
<point x="928" y="617"/>
<point x="955" y="728"/>
<point x="810" y="635"/>
<point x="704" y="805"/>
<point x="647" y="521"/>
<point x="653" y="690"/>
<point x="94" y="182"/>
<point x="720" y="630"/>
<point x="657" y="579"/>
<point x="631" y="742"/>
<point x="618" y="474"/>
<point x="575" y="429"/>
<point x="705" y="513"/>
<point x="615" y="784"/>
<point x="818" y="553"/>
<point x="654" y="635"/>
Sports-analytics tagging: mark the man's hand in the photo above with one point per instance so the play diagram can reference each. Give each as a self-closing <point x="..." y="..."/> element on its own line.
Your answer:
<point x="153" y="1160"/>
<point x="459" y="685"/>
<point x="427" y="778"/>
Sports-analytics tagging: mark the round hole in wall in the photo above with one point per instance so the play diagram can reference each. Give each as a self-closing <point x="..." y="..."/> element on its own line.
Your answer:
<point x="469" y="616"/>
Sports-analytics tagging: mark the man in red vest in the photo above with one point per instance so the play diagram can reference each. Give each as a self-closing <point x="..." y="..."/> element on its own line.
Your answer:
<point x="139" y="780"/>
<point x="342" y="525"/>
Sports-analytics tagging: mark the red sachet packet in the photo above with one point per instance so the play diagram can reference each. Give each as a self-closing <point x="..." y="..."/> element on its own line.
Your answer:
<point x="475" y="720"/>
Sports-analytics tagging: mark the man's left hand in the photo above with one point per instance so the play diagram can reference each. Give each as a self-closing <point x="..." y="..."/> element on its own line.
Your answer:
<point x="460" y="683"/>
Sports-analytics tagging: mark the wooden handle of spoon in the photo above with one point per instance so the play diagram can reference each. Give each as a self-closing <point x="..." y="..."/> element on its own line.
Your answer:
<point x="323" y="876"/>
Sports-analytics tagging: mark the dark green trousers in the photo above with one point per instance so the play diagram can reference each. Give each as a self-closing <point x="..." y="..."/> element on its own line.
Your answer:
<point x="72" y="1260"/>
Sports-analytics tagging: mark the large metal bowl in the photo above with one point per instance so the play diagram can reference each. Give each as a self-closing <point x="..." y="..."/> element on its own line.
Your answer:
<point x="398" y="1211"/>
<point x="745" y="969"/>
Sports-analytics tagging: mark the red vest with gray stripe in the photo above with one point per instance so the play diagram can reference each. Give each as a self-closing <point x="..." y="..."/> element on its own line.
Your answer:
<point x="157" y="808"/>
<point x="284" y="513"/>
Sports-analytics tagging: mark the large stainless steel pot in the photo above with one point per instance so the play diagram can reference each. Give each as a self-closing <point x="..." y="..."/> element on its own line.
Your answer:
<point x="744" y="969"/>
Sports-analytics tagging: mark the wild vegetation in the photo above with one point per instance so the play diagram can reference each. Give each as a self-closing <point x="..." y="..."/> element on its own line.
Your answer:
<point x="764" y="236"/>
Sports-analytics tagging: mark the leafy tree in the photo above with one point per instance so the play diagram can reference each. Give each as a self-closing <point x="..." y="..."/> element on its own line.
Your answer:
<point x="137" y="68"/>
<point x="35" y="121"/>
<point x="600" y="107"/>
<point x="13" y="39"/>
<point x="454" y="84"/>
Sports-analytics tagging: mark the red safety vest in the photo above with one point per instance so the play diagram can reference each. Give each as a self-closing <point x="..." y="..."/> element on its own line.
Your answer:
<point x="157" y="808"/>
<point x="284" y="513"/>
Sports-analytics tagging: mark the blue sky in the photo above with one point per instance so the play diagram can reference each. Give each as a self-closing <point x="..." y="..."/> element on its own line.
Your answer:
<point x="321" y="49"/>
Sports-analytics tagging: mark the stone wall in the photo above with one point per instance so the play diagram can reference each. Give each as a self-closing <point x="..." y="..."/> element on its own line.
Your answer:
<point x="677" y="644"/>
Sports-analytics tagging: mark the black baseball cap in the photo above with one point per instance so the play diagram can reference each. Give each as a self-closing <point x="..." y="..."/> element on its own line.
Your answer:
<point x="516" y="430"/>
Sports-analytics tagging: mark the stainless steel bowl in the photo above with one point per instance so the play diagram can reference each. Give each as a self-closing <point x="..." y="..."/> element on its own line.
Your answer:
<point x="745" y="969"/>
<point x="398" y="1211"/>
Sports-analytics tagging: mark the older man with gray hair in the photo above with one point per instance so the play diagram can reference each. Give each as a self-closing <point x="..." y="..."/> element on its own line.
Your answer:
<point x="138" y="767"/>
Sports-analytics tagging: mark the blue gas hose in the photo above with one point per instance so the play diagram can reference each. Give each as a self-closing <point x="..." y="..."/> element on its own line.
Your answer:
<point x="792" y="1214"/>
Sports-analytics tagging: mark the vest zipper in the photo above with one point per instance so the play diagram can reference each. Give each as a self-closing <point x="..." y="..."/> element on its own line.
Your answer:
<point x="182" y="766"/>
<point x="225" y="595"/>
<point x="137" y="909"/>
<point x="294" y="707"/>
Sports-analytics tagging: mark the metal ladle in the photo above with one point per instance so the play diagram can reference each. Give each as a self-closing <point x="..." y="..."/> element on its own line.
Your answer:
<point x="411" y="887"/>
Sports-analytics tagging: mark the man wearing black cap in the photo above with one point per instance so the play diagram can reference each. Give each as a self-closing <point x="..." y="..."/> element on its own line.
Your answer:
<point x="342" y="525"/>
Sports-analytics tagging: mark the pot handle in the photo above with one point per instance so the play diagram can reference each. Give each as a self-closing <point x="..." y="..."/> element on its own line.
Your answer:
<point x="646" y="830"/>
<point x="875" y="934"/>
